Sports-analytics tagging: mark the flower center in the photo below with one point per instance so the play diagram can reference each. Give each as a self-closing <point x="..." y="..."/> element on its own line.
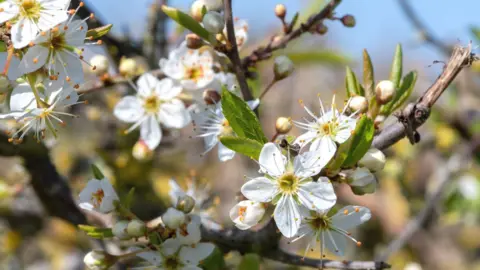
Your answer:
<point x="152" y="104"/>
<point x="57" y="42"/>
<point x="226" y="128"/>
<point x="30" y="9"/>
<point x="288" y="183"/>
<point x="319" y="223"/>
<point x="327" y="128"/>
<point x="97" y="197"/>
<point x="242" y="210"/>
<point x="172" y="263"/>
<point x="194" y="73"/>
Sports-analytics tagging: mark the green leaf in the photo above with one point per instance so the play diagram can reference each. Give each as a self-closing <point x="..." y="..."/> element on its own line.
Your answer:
<point x="129" y="198"/>
<point x="3" y="46"/>
<point x="368" y="77"/>
<point x="244" y="146"/>
<point x="241" y="118"/>
<point x="294" y="20"/>
<point x="250" y="261"/>
<point x="186" y="21"/>
<point x="318" y="57"/>
<point x="397" y="65"/>
<point x="98" y="32"/>
<point x="97" y="173"/>
<point x="96" y="232"/>
<point x="351" y="84"/>
<point x="214" y="261"/>
<point x="402" y="94"/>
<point x="476" y="32"/>
<point x="361" y="141"/>
<point x="204" y="10"/>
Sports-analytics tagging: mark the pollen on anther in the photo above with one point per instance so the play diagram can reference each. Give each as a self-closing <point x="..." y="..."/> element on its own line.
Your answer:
<point x="31" y="44"/>
<point x="359" y="244"/>
<point x="1" y="9"/>
<point x="345" y="212"/>
<point x="94" y="67"/>
<point x="35" y="60"/>
<point x="55" y="29"/>
<point x="68" y="79"/>
<point x="81" y="4"/>
<point x="92" y="15"/>
<point x="43" y="33"/>
<point x="65" y="28"/>
<point x="357" y="209"/>
<point x="99" y="42"/>
<point x="71" y="11"/>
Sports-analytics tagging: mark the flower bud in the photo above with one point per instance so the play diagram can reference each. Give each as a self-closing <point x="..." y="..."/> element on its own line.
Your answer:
<point x="120" y="230"/>
<point x="136" y="228"/>
<point x="141" y="151"/>
<point x="282" y="67"/>
<point x="283" y="125"/>
<point x="101" y="64"/>
<point x="128" y="67"/>
<point x="374" y="160"/>
<point x="185" y="204"/>
<point x="280" y="11"/>
<point x="348" y="20"/>
<point x="214" y="5"/>
<point x="193" y="41"/>
<point x="213" y="22"/>
<point x="196" y="10"/>
<point x="321" y="29"/>
<point x="4" y="84"/>
<point x="211" y="96"/>
<point x="385" y="91"/>
<point x="99" y="260"/>
<point x="173" y="218"/>
<point x="358" y="104"/>
<point x="247" y="214"/>
<point x="362" y="181"/>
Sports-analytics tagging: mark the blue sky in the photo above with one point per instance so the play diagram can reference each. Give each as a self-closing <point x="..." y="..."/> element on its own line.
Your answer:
<point x="380" y="23"/>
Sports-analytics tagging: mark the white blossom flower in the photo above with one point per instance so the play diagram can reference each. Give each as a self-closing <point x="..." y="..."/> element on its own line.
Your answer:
<point x="173" y="218"/>
<point x="156" y="103"/>
<point x="326" y="130"/>
<point x="241" y="32"/>
<point x="40" y="118"/>
<point x="332" y="231"/>
<point x="192" y="68"/>
<point x="172" y="256"/>
<point x="57" y="50"/>
<point x="212" y="124"/>
<point x="99" y="196"/>
<point x="29" y="17"/>
<point x="189" y="232"/>
<point x="290" y="187"/>
<point x="247" y="214"/>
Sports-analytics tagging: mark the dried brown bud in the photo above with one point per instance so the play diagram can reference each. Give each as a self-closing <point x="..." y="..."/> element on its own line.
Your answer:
<point x="211" y="96"/>
<point x="194" y="41"/>
<point x="348" y="20"/>
<point x="280" y="11"/>
<point x="321" y="29"/>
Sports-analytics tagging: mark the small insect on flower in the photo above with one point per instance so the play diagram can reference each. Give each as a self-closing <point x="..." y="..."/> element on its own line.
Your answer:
<point x="288" y="185"/>
<point x="332" y="231"/>
<point x="98" y="196"/>
<point x="30" y="17"/>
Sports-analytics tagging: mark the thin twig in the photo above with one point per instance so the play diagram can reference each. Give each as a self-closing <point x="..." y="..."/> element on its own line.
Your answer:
<point x="155" y="41"/>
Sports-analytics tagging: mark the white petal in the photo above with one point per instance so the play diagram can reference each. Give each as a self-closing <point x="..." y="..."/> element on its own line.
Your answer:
<point x="271" y="160"/>
<point x="129" y="109"/>
<point x="260" y="189"/>
<point x="287" y="216"/>
<point x="76" y="33"/>
<point x="305" y="138"/>
<point x="92" y="186"/>
<point x="23" y="32"/>
<point x="51" y="17"/>
<point x="253" y="104"/>
<point x="317" y="195"/>
<point x="170" y="247"/>
<point x="28" y="64"/>
<point x="193" y="256"/>
<point x="311" y="163"/>
<point x="175" y="191"/>
<point x="194" y="235"/>
<point x="150" y="132"/>
<point x="147" y="84"/>
<point x="10" y="10"/>
<point x="353" y="217"/>
<point x="13" y="71"/>
<point x="335" y="242"/>
<point x="225" y="153"/>
<point x="325" y="145"/>
<point x="172" y="68"/>
<point x="174" y="114"/>
<point x="154" y="258"/>
<point x="69" y="65"/>
<point x="22" y="98"/>
<point x="167" y="89"/>
<point x="345" y="130"/>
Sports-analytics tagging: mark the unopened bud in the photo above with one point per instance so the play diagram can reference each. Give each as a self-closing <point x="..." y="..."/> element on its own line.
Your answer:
<point x="321" y="29"/>
<point x="385" y="91"/>
<point x="214" y="5"/>
<point x="4" y="84"/>
<point x="358" y="104"/>
<point x="136" y="228"/>
<point x="99" y="260"/>
<point x="185" y="204"/>
<point x="119" y="230"/>
<point x="362" y="181"/>
<point x="374" y="160"/>
<point x="379" y="120"/>
<point x="194" y="41"/>
<point x="282" y="67"/>
<point x="141" y="151"/>
<point x="196" y="10"/>
<point x="211" y="96"/>
<point x="101" y="64"/>
<point x="173" y="218"/>
<point x="283" y="125"/>
<point x="348" y="20"/>
<point x="213" y="22"/>
<point x="128" y="67"/>
<point x="280" y="11"/>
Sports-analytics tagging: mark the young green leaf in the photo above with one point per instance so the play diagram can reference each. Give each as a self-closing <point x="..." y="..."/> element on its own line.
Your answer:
<point x="243" y="146"/>
<point x="129" y="199"/>
<point x="97" y="173"/>
<point x="98" y="32"/>
<point x="96" y="232"/>
<point x="241" y="118"/>
<point x="368" y="76"/>
<point x="214" y="261"/>
<point x="351" y="84"/>
<point x="397" y="66"/>
<point x="318" y="57"/>
<point x="186" y="21"/>
<point x="294" y="20"/>
<point x="249" y="261"/>
<point x="361" y="141"/>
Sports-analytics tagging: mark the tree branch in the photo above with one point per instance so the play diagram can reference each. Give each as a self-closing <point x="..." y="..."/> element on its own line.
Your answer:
<point x="155" y="41"/>
<point x="417" y="113"/>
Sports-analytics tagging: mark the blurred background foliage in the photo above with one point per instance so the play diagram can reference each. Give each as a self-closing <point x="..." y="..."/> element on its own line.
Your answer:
<point x="451" y="239"/>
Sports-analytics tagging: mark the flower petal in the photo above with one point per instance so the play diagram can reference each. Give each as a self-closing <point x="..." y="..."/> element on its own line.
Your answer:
<point x="311" y="163"/>
<point x="69" y="65"/>
<point x="170" y="247"/>
<point x="305" y="138"/>
<point x="175" y="191"/>
<point x="35" y="57"/>
<point x="129" y="109"/>
<point x="150" y="132"/>
<point x="271" y="160"/>
<point x="10" y="10"/>
<point x="355" y="216"/>
<point x="166" y="89"/>
<point x="22" y="98"/>
<point x="174" y="114"/>
<point x="76" y="33"/>
<point x="225" y="153"/>
<point x="287" y="216"/>
<point x="154" y="258"/>
<point x="193" y="256"/>
<point x="260" y="189"/>
<point x="335" y="242"/>
<point x="317" y="195"/>
<point x="23" y="32"/>
<point x="324" y="145"/>
<point x="147" y="84"/>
